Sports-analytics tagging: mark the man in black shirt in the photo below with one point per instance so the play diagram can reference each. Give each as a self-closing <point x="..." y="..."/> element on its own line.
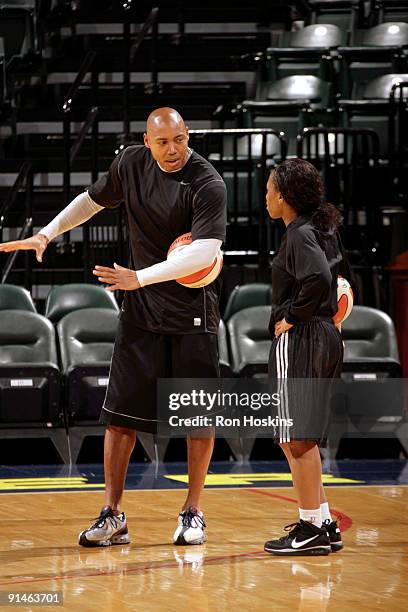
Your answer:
<point x="165" y="329"/>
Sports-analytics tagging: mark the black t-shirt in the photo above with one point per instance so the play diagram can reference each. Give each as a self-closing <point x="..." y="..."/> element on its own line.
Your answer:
<point x="304" y="273"/>
<point x="160" y="207"/>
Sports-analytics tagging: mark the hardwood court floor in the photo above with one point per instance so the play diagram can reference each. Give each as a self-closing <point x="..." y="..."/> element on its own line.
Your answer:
<point x="38" y="552"/>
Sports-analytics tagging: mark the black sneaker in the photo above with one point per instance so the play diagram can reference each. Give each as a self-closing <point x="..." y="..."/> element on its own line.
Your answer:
<point x="334" y="535"/>
<point x="303" y="539"/>
<point x="108" y="529"/>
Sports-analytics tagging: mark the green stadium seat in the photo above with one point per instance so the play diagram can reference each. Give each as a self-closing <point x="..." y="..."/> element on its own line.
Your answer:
<point x="370" y="342"/>
<point x="371" y="354"/>
<point x="18" y="28"/>
<point x="76" y="296"/>
<point x="345" y="14"/>
<point x="305" y="51"/>
<point x="29" y="373"/>
<point x="13" y="297"/>
<point x="390" y="10"/>
<point x="289" y="105"/>
<point x="246" y="296"/>
<point x="394" y="34"/>
<point x="372" y="109"/>
<point x="317" y="36"/>
<point x="86" y="339"/>
<point x="250" y="341"/>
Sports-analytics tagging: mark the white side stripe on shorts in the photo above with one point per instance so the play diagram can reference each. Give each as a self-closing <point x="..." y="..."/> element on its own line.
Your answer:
<point x="282" y="362"/>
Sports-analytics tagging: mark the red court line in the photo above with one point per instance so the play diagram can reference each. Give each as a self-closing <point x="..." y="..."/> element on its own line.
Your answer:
<point x="133" y="570"/>
<point x="345" y="521"/>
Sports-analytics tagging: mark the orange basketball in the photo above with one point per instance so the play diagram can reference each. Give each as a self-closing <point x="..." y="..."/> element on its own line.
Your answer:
<point x="202" y="277"/>
<point x="345" y="300"/>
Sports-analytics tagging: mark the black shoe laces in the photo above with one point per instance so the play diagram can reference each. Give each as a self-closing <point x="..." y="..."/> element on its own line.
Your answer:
<point x="293" y="529"/>
<point x="106" y="515"/>
<point x="189" y="516"/>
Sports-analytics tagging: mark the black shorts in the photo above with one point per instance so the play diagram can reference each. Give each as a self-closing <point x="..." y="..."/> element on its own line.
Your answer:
<point x="141" y="357"/>
<point x="312" y="351"/>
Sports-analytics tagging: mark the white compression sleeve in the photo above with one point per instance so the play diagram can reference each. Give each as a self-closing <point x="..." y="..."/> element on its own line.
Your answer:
<point x="195" y="256"/>
<point x="78" y="211"/>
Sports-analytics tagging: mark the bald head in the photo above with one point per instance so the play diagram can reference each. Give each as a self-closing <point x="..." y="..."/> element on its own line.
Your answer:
<point x="164" y="117"/>
<point x="167" y="138"/>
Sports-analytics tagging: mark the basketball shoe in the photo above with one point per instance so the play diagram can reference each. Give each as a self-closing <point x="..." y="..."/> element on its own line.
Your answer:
<point x="303" y="539"/>
<point x="108" y="529"/>
<point x="334" y="533"/>
<point x="190" y="527"/>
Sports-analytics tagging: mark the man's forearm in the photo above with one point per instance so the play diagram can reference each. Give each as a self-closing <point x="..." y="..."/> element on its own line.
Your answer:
<point x="77" y="212"/>
<point x="193" y="257"/>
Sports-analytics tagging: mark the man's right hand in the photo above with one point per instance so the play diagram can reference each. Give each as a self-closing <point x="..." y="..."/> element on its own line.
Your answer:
<point x="37" y="243"/>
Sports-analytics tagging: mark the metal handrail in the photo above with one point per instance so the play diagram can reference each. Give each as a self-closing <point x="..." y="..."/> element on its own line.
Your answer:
<point x="130" y="53"/>
<point x="307" y="132"/>
<point x="152" y="18"/>
<point x="25" y="174"/>
<point x="360" y="147"/>
<point x="85" y="66"/>
<point x="248" y="131"/>
<point x="86" y="126"/>
<point x="90" y="123"/>
<point x="25" y="230"/>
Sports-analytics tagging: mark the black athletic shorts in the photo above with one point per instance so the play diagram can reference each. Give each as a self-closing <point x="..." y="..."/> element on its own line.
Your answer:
<point x="312" y="351"/>
<point x="141" y="357"/>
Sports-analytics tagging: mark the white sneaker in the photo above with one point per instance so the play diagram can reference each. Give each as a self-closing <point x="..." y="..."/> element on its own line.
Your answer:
<point x="190" y="528"/>
<point x="192" y="558"/>
<point x="108" y="529"/>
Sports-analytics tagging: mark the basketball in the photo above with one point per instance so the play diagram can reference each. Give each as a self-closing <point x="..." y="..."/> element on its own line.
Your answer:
<point x="345" y="300"/>
<point x="203" y="277"/>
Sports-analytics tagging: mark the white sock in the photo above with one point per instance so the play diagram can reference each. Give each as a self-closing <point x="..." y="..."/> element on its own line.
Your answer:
<point x="326" y="516"/>
<point x="311" y="516"/>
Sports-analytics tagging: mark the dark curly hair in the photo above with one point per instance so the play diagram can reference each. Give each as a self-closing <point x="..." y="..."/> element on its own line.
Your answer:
<point x="301" y="187"/>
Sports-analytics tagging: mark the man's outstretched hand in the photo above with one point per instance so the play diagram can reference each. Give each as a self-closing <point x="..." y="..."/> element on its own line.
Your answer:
<point x="117" y="277"/>
<point x="37" y="243"/>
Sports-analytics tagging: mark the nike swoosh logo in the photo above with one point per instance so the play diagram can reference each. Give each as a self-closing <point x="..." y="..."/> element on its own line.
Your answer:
<point x="303" y="542"/>
<point x="183" y="183"/>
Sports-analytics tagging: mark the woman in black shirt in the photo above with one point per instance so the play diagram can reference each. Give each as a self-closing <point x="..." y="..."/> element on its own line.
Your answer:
<point x="306" y="344"/>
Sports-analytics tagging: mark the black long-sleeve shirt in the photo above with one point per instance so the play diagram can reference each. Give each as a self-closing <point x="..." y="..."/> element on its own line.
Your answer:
<point x="304" y="273"/>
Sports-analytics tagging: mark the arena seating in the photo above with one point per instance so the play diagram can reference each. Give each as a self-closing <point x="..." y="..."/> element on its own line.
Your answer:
<point x="326" y="77"/>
